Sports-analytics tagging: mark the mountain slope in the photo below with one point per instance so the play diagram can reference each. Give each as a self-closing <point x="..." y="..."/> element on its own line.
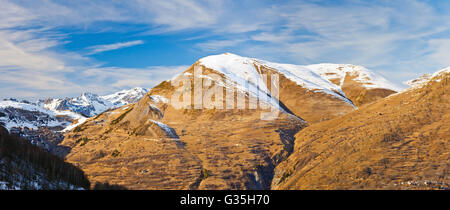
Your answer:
<point x="150" y="145"/>
<point x="400" y="142"/>
<point x="302" y="91"/>
<point x="154" y="144"/>
<point x="359" y="84"/>
<point x="314" y="92"/>
<point x="25" y="166"/>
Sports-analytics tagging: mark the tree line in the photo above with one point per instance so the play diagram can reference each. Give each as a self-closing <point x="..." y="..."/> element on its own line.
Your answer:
<point x="22" y="164"/>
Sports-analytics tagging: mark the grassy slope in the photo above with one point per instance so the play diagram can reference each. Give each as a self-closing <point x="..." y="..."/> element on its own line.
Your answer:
<point x="400" y="142"/>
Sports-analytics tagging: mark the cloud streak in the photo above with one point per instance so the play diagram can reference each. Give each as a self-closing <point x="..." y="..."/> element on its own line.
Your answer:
<point x="108" y="47"/>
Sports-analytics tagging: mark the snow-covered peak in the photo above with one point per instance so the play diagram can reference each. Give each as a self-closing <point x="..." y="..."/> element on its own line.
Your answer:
<point x="441" y="72"/>
<point x="86" y="99"/>
<point x="424" y="79"/>
<point x="45" y="112"/>
<point x="245" y="72"/>
<point x="306" y="78"/>
<point x="242" y="72"/>
<point x="14" y="114"/>
<point x="23" y="106"/>
<point x="366" y="77"/>
<point x="419" y="81"/>
<point x="126" y="96"/>
<point x="90" y="104"/>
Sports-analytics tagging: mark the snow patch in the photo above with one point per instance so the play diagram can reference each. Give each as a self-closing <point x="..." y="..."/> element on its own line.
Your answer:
<point x="79" y="122"/>
<point x="426" y="78"/>
<point x="169" y="131"/>
<point x="158" y="98"/>
<point x="367" y="78"/>
<point x="242" y="72"/>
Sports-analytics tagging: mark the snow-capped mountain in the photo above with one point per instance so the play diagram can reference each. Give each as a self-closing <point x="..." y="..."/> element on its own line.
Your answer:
<point x="89" y="104"/>
<point x="239" y="136"/>
<point x="333" y="89"/>
<point x="367" y="78"/>
<point x="424" y="79"/>
<point x="15" y="114"/>
<point x="44" y="121"/>
<point x="61" y="112"/>
<point x="125" y="97"/>
<point x="246" y="74"/>
<point x="39" y="125"/>
<point x="326" y="78"/>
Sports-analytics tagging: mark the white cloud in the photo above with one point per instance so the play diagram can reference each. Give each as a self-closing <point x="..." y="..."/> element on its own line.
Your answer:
<point x="111" y="79"/>
<point x="24" y="50"/>
<point x="440" y="51"/>
<point x="219" y="44"/>
<point x="101" y="80"/>
<point x="108" y="47"/>
<point x="401" y="36"/>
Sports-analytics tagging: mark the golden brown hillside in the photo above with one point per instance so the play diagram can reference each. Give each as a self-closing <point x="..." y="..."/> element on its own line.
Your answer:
<point x="208" y="148"/>
<point x="361" y="95"/>
<point x="400" y="142"/>
<point x="360" y="85"/>
<point x="309" y="105"/>
<point x="154" y="145"/>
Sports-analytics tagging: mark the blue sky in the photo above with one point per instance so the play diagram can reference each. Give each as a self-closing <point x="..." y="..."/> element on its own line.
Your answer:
<point x="54" y="48"/>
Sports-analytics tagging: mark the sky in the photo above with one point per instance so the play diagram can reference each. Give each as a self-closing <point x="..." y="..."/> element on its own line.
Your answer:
<point x="57" y="48"/>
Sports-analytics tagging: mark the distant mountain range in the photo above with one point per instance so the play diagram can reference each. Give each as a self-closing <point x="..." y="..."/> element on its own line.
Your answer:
<point x="89" y="104"/>
<point x="43" y="121"/>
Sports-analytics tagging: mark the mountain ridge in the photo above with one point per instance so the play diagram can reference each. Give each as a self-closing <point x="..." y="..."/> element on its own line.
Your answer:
<point x="399" y="142"/>
<point x="44" y="121"/>
<point x="213" y="148"/>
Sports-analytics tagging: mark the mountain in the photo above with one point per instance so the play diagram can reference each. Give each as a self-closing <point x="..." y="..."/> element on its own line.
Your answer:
<point x="314" y="92"/>
<point x="40" y="126"/>
<point x="44" y="121"/>
<point x="359" y="84"/>
<point x="399" y="142"/>
<point x="89" y="104"/>
<point x="24" y="166"/>
<point x="157" y="143"/>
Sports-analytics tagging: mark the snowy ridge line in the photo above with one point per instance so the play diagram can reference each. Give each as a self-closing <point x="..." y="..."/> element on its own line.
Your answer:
<point x="79" y="108"/>
<point x="242" y="71"/>
<point x="367" y="78"/>
<point x="48" y="121"/>
<point x="90" y="104"/>
<point x="308" y="79"/>
<point x="426" y="78"/>
<point x="158" y="99"/>
<point x="24" y="106"/>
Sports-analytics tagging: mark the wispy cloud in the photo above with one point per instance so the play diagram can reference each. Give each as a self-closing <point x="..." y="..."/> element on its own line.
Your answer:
<point x="397" y="37"/>
<point x="440" y="51"/>
<point x="108" y="47"/>
<point x="219" y="44"/>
